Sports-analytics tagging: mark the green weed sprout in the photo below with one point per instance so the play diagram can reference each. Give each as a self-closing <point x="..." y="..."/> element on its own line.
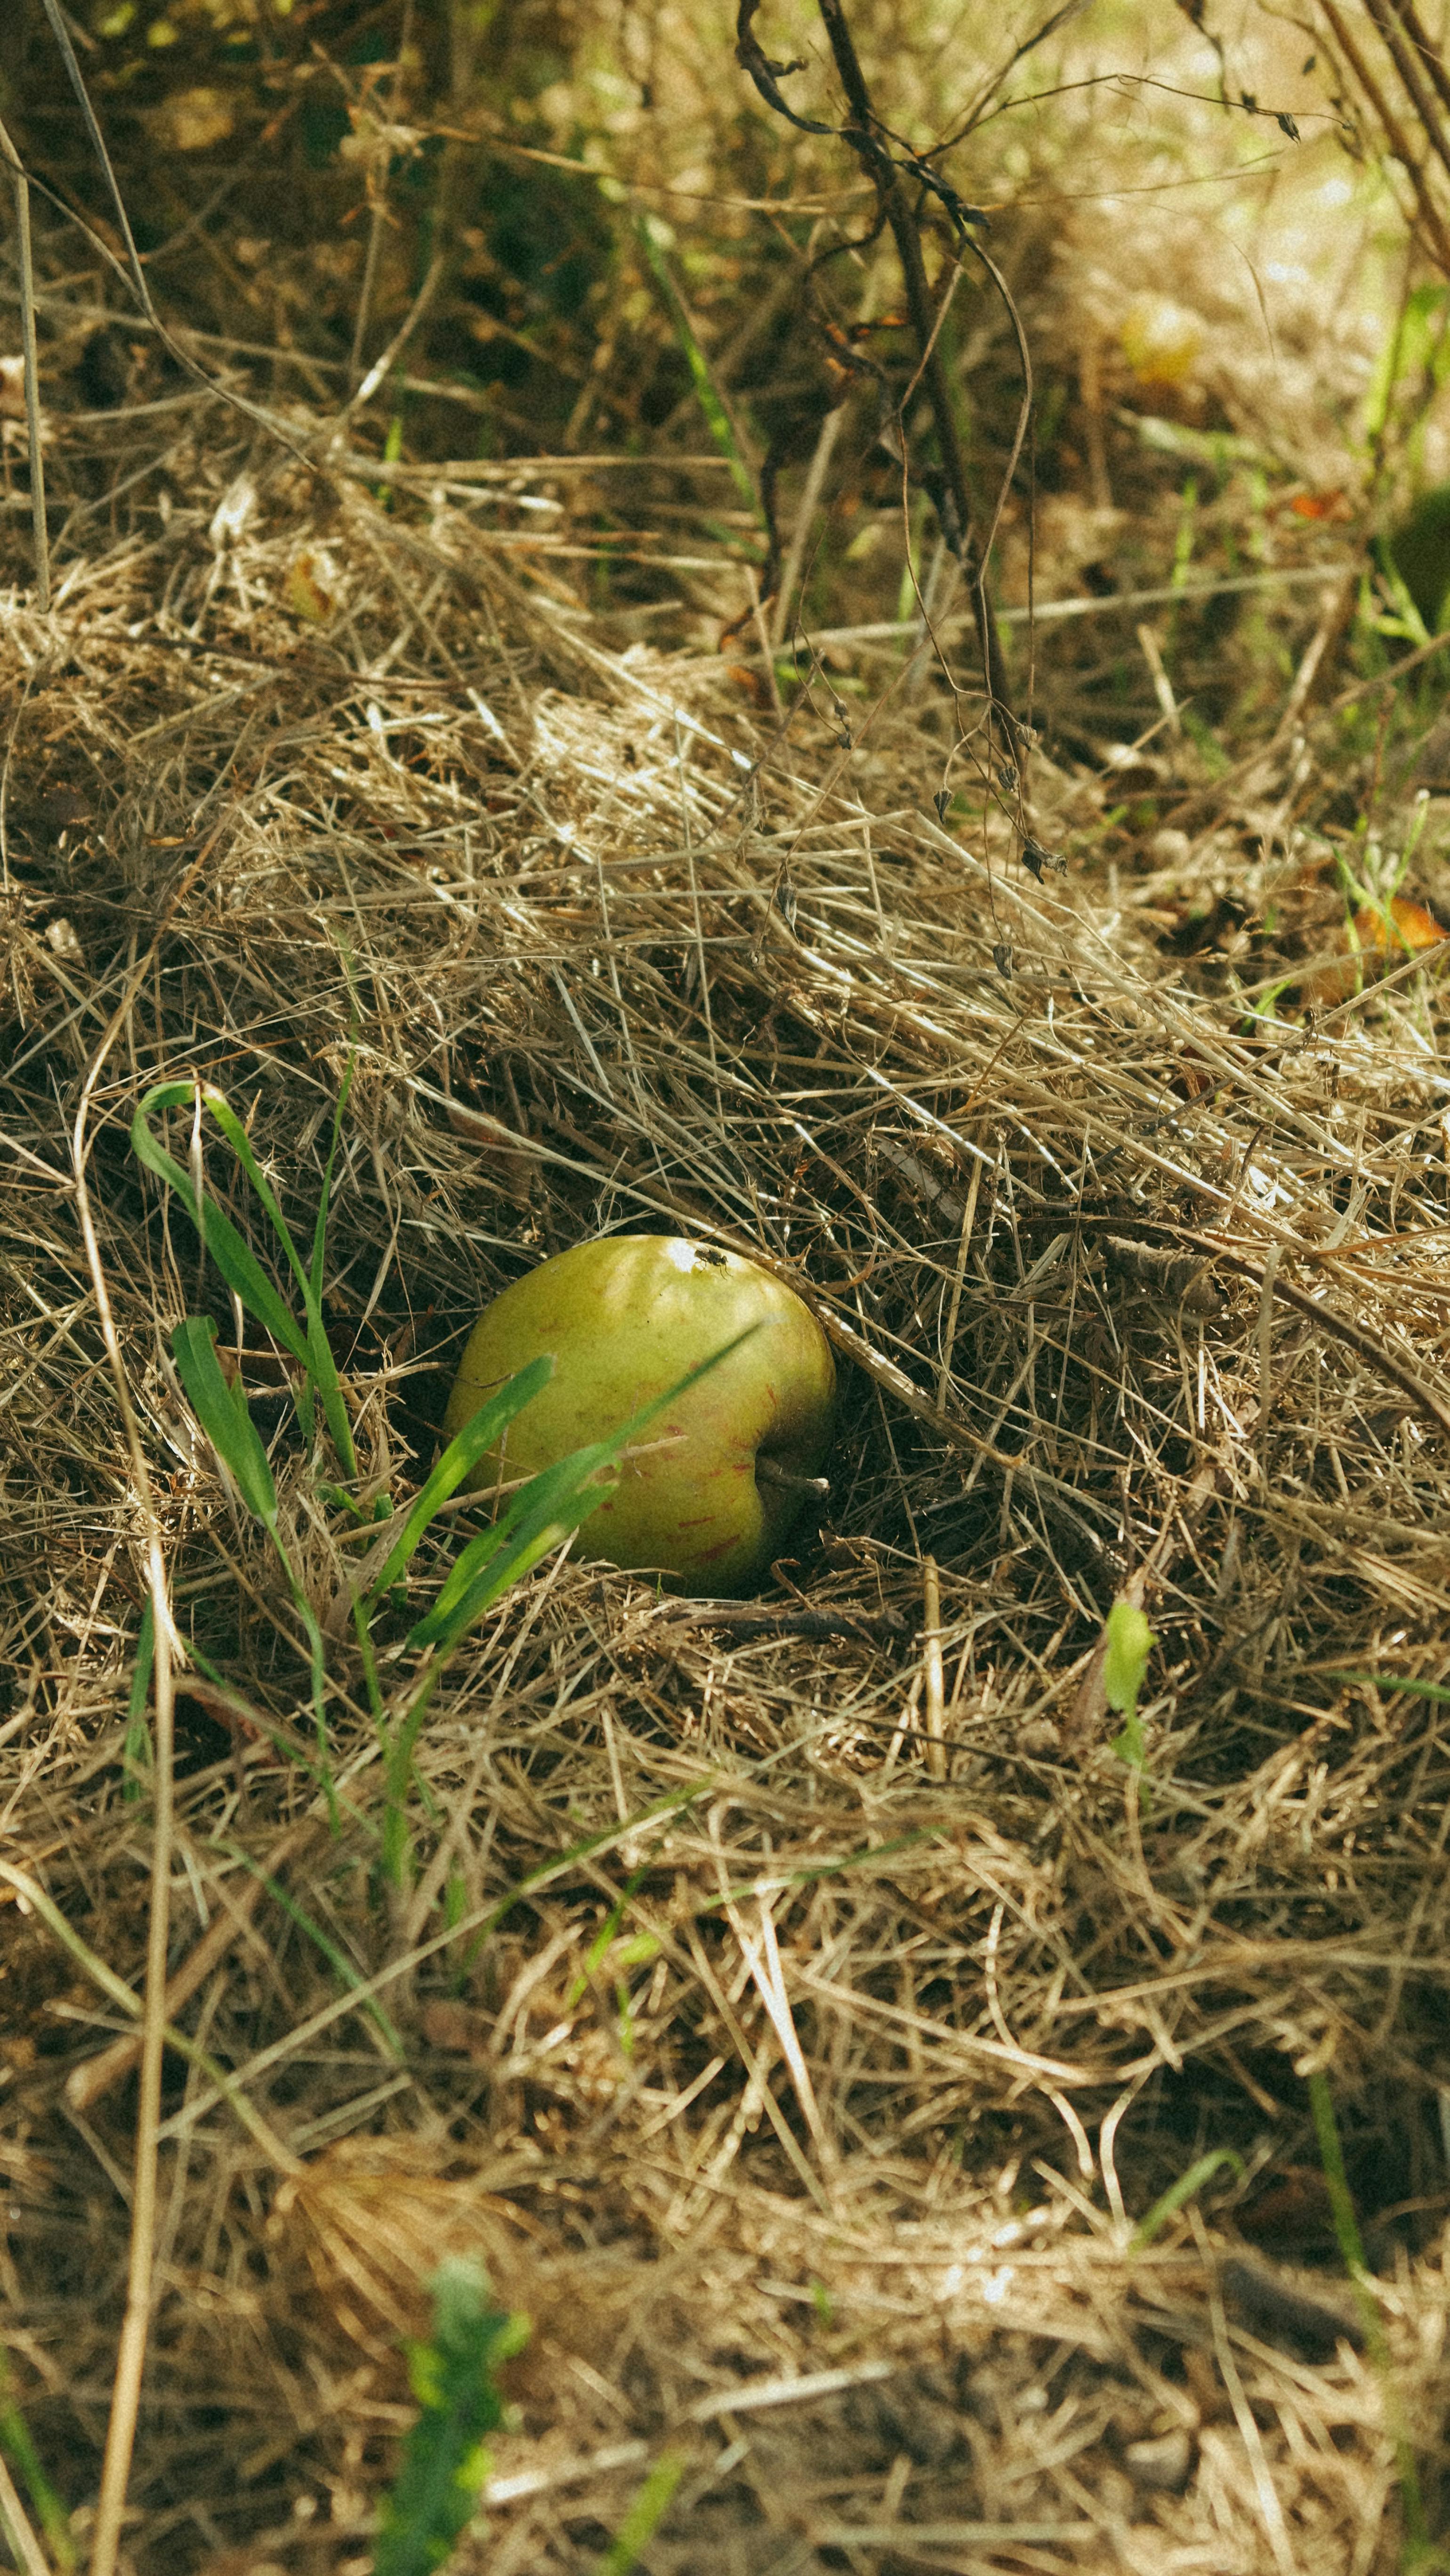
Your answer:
<point x="238" y="1264"/>
<point x="644" y="2516"/>
<point x="1179" y="2193"/>
<point x="1129" y="1641"/>
<point x="539" y="1517"/>
<point x="542" y="1514"/>
<point x="454" y="2378"/>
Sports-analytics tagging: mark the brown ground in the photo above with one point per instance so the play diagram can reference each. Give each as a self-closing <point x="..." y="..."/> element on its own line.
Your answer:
<point x="798" y="2024"/>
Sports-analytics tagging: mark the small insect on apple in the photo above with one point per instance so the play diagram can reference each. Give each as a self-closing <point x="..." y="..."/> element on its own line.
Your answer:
<point x="708" y="1497"/>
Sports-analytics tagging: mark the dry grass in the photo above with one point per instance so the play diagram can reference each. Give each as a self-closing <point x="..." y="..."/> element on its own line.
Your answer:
<point x="798" y="2052"/>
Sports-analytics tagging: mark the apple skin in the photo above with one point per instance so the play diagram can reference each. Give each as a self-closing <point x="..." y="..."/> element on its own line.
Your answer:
<point x="624" y="1318"/>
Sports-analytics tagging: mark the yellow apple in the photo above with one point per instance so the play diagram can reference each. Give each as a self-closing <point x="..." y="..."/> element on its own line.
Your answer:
<point x="708" y="1496"/>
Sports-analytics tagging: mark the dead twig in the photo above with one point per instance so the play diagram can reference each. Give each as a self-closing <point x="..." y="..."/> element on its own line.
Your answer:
<point x="20" y="196"/>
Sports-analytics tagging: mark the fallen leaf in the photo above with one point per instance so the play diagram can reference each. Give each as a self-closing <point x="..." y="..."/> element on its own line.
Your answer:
<point x="1381" y="936"/>
<point x="311" y="588"/>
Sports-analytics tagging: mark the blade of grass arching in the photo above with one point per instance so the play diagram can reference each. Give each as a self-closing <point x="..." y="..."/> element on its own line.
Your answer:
<point x="241" y="1145"/>
<point x="136" y="1752"/>
<point x="1180" y="2191"/>
<point x="321" y="1364"/>
<point x="497" y="1556"/>
<point x="239" y="1265"/>
<point x="717" y="418"/>
<point x="233" y="1256"/>
<point x="508" y="1563"/>
<point x="461" y="1456"/>
<point x="541" y="1531"/>
<point x="1418" y="2551"/>
<point x="541" y="1513"/>
<point x="554" y="1503"/>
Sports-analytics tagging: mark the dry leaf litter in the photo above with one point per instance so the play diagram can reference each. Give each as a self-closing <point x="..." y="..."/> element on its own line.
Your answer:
<point x="797" y="2036"/>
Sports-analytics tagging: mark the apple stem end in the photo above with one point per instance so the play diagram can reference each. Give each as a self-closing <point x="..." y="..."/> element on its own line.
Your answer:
<point x="770" y="1472"/>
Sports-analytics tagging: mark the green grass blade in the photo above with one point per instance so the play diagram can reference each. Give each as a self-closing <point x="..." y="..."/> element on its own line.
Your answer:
<point x="222" y="1412"/>
<point x="20" y="2451"/>
<point x="239" y="1265"/>
<point x="555" y="1501"/>
<point x="241" y="1145"/>
<point x="544" y="1512"/>
<point x="1394" y="1682"/>
<point x="541" y="1514"/>
<point x="459" y="1459"/>
<point x="716" y="416"/>
<point x="320" y="1362"/>
<point x="233" y="1256"/>
<point x="645" y="2515"/>
<point x="513" y="1565"/>
<point x="1182" y="2190"/>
